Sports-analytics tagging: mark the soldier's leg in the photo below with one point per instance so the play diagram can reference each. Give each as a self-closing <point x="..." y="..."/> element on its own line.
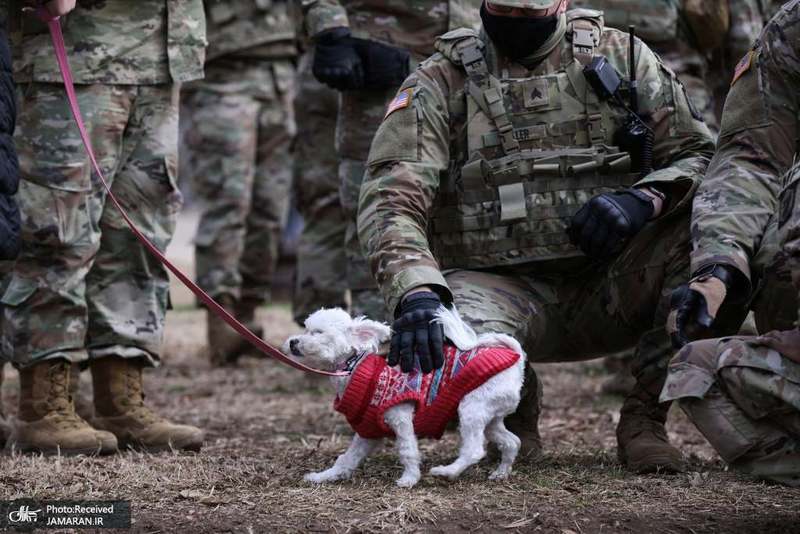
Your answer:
<point x="271" y="187"/>
<point x="320" y="253"/>
<point x="223" y="148"/>
<point x="45" y="311"/>
<point x="775" y="304"/>
<point x="223" y="151"/>
<point x="360" y="115"/>
<point x="508" y="305"/>
<point x="742" y="411"/>
<point x="127" y="289"/>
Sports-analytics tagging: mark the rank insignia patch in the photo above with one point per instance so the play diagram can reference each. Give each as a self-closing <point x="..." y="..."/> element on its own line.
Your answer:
<point x="401" y="101"/>
<point x="743" y="66"/>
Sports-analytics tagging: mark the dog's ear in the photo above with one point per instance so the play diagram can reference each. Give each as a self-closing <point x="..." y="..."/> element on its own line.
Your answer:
<point x="368" y="335"/>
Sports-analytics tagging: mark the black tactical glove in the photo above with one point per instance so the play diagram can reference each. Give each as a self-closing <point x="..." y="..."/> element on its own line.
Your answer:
<point x="385" y="67"/>
<point x="417" y="343"/>
<point x="336" y="60"/>
<point x="694" y="306"/>
<point x="604" y="225"/>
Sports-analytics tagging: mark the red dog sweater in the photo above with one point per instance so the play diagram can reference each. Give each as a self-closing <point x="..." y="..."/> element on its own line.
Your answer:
<point x="375" y="387"/>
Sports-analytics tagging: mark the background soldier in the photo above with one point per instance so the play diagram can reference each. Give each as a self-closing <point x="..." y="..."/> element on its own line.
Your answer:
<point x="243" y="125"/>
<point x="321" y="258"/>
<point x="472" y="183"/>
<point x="366" y="51"/>
<point x="84" y="290"/>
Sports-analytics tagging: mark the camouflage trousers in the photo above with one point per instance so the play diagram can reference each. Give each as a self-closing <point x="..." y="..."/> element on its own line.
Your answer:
<point x="321" y="258"/>
<point x="240" y="147"/>
<point x="83" y="286"/>
<point x="600" y="311"/>
<point x="743" y="394"/>
<point x="360" y="115"/>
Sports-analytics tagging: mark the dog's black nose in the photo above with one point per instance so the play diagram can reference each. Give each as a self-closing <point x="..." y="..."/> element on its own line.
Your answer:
<point x="293" y="346"/>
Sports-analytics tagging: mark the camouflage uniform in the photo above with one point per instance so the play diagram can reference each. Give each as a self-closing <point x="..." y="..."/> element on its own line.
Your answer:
<point x="744" y="393"/>
<point x="440" y="209"/>
<point x="82" y="281"/>
<point x="662" y="25"/>
<point x="321" y="257"/>
<point x="412" y="25"/>
<point x="242" y="130"/>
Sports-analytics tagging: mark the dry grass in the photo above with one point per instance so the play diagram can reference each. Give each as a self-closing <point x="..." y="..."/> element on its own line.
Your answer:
<point x="268" y="425"/>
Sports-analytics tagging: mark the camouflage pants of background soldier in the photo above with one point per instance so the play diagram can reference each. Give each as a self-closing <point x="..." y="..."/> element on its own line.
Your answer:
<point x="240" y="141"/>
<point x="321" y="258"/>
<point x="83" y="281"/>
<point x="360" y="115"/>
<point x="603" y="310"/>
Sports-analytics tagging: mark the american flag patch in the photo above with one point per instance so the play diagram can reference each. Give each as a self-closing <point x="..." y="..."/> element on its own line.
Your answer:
<point x="401" y="101"/>
<point x="743" y="66"/>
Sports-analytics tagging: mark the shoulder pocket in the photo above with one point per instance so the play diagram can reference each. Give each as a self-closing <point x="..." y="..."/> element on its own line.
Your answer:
<point x="397" y="138"/>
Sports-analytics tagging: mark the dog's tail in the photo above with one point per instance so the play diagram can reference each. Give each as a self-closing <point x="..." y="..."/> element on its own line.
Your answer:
<point x="464" y="337"/>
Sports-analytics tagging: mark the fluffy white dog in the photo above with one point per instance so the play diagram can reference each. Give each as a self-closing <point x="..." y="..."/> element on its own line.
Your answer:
<point x="335" y="341"/>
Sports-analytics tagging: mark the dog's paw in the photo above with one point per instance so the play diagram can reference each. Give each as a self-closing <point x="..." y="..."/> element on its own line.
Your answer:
<point x="444" y="471"/>
<point x="501" y="473"/>
<point x="407" y="481"/>
<point x="319" y="478"/>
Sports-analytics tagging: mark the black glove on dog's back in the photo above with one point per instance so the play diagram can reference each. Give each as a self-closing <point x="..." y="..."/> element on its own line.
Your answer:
<point x="417" y="343"/>
<point x="337" y="63"/>
<point x="604" y="225"/>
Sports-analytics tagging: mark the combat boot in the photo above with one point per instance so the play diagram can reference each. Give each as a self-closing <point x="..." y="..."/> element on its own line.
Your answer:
<point x="120" y="409"/>
<point x="642" y="443"/>
<point x="224" y="343"/>
<point x="81" y="401"/>
<point x="524" y="423"/>
<point x="246" y="314"/>
<point x="47" y="422"/>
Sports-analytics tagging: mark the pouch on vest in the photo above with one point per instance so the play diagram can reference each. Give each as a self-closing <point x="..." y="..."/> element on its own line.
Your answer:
<point x="709" y="21"/>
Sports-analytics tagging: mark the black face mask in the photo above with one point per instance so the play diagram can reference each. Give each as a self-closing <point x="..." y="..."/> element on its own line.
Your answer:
<point x="518" y="37"/>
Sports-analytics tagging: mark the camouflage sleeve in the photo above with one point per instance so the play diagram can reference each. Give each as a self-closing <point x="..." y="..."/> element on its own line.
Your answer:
<point x="683" y="143"/>
<point x="322" y="15"/>
<point x="409" y="152"/>
<point x="757" y="146"/>
<point x="789" y="223"/>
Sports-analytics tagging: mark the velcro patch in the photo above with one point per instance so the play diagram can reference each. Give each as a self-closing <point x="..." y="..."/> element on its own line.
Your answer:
<point x="401" y="101"/>
<point x="743" y="66"/>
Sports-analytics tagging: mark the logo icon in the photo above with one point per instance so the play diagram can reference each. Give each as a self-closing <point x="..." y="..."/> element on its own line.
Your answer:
<point x="24" y="515"/>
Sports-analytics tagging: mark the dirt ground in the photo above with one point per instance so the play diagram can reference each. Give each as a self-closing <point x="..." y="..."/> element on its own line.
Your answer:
<point x="268" y="425"/>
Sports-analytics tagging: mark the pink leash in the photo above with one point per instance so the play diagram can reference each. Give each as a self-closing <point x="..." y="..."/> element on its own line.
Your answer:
<point x="66" y="74"/>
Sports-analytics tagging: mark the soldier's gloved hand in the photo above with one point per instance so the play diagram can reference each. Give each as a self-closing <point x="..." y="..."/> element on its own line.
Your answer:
<point x="604" y="225"/>
<point x="385" y="67"/>
<point x="694" y="306"/>
<point x="336" y="60"/>
<point x="417" y="342"/>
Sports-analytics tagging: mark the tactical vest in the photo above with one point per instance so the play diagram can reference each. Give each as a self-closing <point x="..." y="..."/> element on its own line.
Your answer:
<point x="255" y="27"/>
<point x="538" y="149"/>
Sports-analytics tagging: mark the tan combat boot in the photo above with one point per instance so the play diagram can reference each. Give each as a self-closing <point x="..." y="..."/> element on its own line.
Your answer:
<point x="120" y="409"/>
<point x="642" y="443"/>
<point x="224" y="343"/>
<point x="47" y="420"/>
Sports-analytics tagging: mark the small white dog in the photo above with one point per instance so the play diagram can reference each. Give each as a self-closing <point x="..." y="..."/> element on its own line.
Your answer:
<point x="335" y="341"/>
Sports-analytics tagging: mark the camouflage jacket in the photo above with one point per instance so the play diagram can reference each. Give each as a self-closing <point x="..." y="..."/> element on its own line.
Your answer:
<point x="420" y="148"/>
<point x="789" y="225"/>
<point x="115" y="42"/>
<point x="410" y="24"/>
<point x="757" y="145"/>
<point x="255" y="28"/>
